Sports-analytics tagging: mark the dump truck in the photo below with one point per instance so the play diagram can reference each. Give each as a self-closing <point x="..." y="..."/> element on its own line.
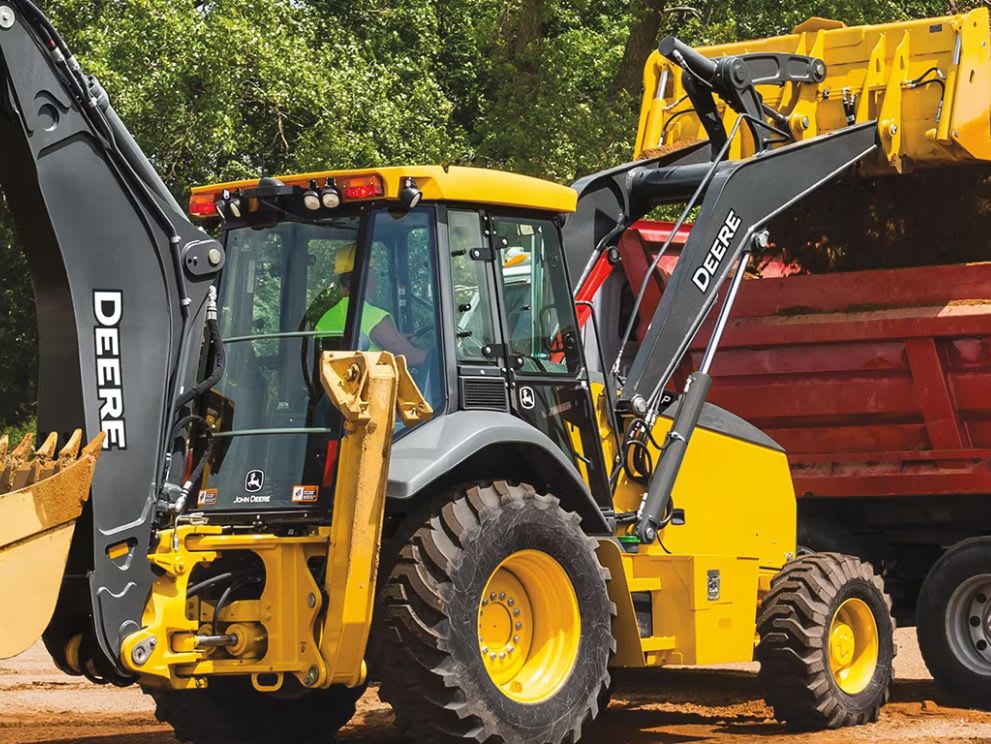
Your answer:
<point x="346" y="439"/>
<point x="874" y="380"/>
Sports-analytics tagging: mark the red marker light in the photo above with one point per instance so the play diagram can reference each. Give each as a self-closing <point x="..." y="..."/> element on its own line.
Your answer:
<point x="361" y="187"/>
<point x="330" y="465"/>
<point x="202" y="204"/>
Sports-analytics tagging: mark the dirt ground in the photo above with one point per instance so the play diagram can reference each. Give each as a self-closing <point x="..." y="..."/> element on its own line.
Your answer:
<point x="39" y="704"/>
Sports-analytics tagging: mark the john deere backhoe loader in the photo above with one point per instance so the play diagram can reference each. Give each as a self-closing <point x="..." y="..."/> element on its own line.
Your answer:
<point x="349" y="431"/>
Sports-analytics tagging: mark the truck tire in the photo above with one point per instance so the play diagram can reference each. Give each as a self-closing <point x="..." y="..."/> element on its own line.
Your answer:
<point x="826" y="643"/>
<point x="953" y="621"/>
<point x="231" y="710"/>
<point x="486" y="638"/>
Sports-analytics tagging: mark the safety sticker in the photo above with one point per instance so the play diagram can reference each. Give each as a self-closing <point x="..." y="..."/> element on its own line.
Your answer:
<point x="305" y="494"/>
<point x="207" y="497"/>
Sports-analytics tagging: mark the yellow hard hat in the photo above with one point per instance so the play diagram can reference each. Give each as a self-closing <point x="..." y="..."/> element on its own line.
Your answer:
<point x="344" y="259"/>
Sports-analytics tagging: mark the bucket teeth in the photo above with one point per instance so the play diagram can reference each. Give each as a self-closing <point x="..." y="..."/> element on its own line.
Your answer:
<point x="24" y="465"/>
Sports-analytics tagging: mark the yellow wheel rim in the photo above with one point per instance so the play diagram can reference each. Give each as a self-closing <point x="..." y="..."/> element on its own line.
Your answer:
<point x="853" y="646"/>
<point x="529" y="626"/>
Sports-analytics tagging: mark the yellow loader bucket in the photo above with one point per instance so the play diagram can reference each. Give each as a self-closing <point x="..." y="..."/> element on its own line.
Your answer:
<point x="926" y="82"/>
<point x="41" y="497"/>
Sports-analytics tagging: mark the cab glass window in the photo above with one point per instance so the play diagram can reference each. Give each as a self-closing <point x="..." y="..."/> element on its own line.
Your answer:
<point x="540" y="318"/>
<point x="473" y="302"/>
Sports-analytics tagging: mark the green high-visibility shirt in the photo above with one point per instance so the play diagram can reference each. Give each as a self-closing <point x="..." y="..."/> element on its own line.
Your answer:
<point x="333" y="321"/>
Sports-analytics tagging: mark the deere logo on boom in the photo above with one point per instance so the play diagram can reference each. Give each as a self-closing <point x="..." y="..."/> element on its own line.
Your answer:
<point x="704" y="273"/>
<point x="108" y="307"/>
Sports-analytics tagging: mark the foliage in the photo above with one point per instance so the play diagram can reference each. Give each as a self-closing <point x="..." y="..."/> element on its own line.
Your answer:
<point x="232" y="88"/>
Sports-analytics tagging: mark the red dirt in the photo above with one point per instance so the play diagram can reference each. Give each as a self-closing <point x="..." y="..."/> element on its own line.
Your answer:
<point x="668" y="706"/>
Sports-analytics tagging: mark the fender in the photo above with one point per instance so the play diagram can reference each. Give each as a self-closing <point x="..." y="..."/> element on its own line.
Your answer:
<point x="431" y="451"/>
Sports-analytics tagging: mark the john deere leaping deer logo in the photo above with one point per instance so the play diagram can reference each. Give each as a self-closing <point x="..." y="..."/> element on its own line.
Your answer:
<point x="254" y="481"/>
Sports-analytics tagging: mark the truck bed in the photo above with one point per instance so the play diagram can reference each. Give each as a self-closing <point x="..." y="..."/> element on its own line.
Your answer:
<point x="877" y="383"/>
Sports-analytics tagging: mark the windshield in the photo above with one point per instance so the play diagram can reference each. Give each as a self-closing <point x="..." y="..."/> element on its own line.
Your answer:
<point x="285" y="296"/>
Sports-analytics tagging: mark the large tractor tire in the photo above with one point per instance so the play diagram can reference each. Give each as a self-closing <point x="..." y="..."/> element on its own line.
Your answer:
<point x="826" y="643"/>
<point x="498" y="622"/>
<point x="231" y="710"/>
<point x="954" y="622"/>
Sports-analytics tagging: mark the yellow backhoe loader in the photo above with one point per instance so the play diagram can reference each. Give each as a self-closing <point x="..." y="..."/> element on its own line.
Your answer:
<point x="363" y="433"/>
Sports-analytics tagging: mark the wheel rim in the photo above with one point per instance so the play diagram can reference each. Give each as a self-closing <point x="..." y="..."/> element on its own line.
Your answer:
<point x="529" y="626"/>
<point x="968" y="624"/>
<point x="853" y="646"/>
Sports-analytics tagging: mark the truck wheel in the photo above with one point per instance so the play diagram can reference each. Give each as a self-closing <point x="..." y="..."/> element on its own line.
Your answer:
<point x="826" y="643"/>
<point x="498" y="622"/>
<point x="230" y="709"/>
<point x="954" y="621"/>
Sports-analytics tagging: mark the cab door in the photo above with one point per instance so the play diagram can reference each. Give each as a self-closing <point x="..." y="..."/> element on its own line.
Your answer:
<point x="516" y="339"/>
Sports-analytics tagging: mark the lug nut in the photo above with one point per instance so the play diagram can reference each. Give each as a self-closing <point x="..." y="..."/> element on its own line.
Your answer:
<point x="519" y="626"/>
<point x="516" y="639"/>
<point x="510" y="602"/>
<point x="502" y="595"/>
<point x="492" y="596"/>
<point x="516" y="612"/>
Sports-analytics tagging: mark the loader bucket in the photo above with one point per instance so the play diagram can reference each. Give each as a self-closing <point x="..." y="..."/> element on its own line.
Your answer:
<point x="927" y="84"/>
<point x="41" y="497"/>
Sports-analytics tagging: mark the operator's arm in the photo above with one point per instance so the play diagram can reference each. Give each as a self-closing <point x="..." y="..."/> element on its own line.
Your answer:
<point x="387" y="336"/>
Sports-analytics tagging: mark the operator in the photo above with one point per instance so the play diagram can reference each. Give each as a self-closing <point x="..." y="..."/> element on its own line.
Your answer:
<point x="378" y="329"/>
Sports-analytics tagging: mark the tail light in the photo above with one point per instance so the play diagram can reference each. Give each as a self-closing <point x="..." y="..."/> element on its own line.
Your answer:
<point x="202" y="204"/>
<point x="361" y="187"/>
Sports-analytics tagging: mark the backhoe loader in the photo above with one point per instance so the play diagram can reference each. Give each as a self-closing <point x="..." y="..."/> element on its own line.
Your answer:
<point x="347" y="440"/>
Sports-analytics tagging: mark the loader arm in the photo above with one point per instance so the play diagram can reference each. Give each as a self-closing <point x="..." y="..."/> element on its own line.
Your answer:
<point x="737" y="197"/>
<point x="121" y="281"/>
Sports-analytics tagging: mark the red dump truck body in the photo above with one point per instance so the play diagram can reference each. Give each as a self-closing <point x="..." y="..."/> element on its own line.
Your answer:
<point x="877" y="383"/>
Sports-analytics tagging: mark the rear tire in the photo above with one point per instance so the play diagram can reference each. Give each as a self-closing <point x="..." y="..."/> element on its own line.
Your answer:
<point x="953" y="623"/>
<point x="826" y="643"/>
<point x="493" y="558"/>
<point x="231" y="710"/>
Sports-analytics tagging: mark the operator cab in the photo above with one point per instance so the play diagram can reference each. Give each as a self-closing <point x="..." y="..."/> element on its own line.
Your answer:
<point x="459" y="270"/>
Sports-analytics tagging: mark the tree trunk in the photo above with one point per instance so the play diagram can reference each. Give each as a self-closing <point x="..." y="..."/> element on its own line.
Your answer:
<point x="641" y="42"/>
<point x="527" y="28"/>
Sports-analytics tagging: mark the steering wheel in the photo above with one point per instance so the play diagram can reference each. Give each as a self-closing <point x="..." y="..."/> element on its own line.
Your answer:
<point x="418" y="333"/>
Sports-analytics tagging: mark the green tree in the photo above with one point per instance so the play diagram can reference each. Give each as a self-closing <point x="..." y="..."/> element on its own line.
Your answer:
<point x="240" y="88"/>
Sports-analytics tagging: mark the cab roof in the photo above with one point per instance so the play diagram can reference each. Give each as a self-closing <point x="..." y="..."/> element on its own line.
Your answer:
<point x="438" y="184"/>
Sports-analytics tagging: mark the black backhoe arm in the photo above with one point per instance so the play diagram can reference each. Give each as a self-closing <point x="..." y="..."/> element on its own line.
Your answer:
<point x="122" y="281"/>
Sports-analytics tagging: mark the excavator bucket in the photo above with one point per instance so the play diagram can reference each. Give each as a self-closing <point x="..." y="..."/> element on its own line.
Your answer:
<point x="41" y="497"/>
<point x="925" y="82"/>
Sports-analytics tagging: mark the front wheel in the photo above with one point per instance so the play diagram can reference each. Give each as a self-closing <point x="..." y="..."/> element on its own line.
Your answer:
<point x="826" y="643"/>
<point x="498" y="622"/>
<point x="954" y="621"/>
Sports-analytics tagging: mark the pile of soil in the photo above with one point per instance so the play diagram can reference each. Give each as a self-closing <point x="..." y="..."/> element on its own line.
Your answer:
<point x="922" y="218"/>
